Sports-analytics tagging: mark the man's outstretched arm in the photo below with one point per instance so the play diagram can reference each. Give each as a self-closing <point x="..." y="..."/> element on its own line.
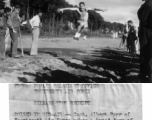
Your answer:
<point x="63" y="9"/>
<point x="103" y="10"/>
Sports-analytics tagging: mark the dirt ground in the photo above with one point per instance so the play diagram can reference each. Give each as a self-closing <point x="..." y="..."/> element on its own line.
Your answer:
<point x="66" y="60"/>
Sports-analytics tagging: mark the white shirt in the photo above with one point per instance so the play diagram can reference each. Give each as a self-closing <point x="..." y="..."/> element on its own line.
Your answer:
<point x="35" y="21"/>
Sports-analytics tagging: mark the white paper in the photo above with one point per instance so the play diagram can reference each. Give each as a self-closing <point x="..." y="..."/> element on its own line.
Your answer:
<point x="75" y="102"/>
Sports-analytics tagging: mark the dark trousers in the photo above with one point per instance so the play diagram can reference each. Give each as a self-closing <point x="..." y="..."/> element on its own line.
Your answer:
<point x="2" y="45"/>
<point x="14" y="41"/>
<point x="146" y="61"/>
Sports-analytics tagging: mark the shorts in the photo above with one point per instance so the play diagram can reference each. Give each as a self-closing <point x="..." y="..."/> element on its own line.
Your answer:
<point x="84" y="24"/>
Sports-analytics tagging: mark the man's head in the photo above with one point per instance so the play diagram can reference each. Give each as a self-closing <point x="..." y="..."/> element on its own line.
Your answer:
<point x="130" y="23"/>
<point x="7" y="11"/>
<point x="17" y="8"/>
<point x="40" y="13"/>
<point x="82" y="5"/>
<point x="12" y="7"/>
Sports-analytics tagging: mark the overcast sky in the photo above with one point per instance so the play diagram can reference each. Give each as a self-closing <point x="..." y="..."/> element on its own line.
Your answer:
<point x="118" y="10"/>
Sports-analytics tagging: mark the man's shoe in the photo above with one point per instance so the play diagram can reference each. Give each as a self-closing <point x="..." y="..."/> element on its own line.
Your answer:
<point x="85" y="37"/>
<point x="76" y="38"/>
<point x="33" y="54"/>
<point x="16" y="56"/>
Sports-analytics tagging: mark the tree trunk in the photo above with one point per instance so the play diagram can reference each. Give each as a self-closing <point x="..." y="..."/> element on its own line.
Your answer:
<point x="27" y="10"/>
<point x="33" y="12"/>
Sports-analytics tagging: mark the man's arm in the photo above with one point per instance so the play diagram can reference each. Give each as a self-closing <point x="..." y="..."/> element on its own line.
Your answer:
<point x="31" y="21"/>
<point x="95" y="9"/>
<point x="72" y="9"/>
<point x="127" y="28"/>
<point x="12" y="15"/>
<point x="19" y="18"/>
<point x="10" y="24"/>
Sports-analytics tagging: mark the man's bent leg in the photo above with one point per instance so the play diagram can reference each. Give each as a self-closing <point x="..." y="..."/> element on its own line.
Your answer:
<point x="78" y="31"/>
<point x="84" y="30"/>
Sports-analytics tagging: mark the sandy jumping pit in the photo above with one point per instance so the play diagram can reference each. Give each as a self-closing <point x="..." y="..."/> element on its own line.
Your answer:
<point x="45" y="68"/>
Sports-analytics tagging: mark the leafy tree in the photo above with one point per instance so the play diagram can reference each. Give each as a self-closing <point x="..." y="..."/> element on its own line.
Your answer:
<point x="49" y="8"/>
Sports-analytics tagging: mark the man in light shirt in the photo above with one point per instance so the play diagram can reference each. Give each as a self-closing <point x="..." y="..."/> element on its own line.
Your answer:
<point x="35" y="24"/>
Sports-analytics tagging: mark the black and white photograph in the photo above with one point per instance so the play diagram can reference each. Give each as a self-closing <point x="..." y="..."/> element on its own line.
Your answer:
<point x="74" y="41"/>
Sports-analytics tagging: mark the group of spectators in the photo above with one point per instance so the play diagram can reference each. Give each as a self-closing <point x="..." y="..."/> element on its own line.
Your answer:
<point x="10" y="23"/>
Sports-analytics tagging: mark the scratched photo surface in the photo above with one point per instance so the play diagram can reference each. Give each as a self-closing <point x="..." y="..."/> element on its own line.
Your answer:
<point x="75" y="102"/>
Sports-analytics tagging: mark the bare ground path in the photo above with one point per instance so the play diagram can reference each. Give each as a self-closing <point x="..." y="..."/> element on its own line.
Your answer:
<point x="65" y="60"/>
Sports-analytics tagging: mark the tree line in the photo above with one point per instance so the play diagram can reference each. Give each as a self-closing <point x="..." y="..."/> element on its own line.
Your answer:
<point x="53" y="18"/>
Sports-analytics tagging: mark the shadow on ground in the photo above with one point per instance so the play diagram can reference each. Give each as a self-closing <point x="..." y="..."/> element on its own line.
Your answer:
<point x="59" y="76"/>
<point x="117" y="64"/>
<point x="111" y="64"/>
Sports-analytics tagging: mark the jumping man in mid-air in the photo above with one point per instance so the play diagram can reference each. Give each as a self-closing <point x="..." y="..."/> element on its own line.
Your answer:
<point x="83" y="21"/>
